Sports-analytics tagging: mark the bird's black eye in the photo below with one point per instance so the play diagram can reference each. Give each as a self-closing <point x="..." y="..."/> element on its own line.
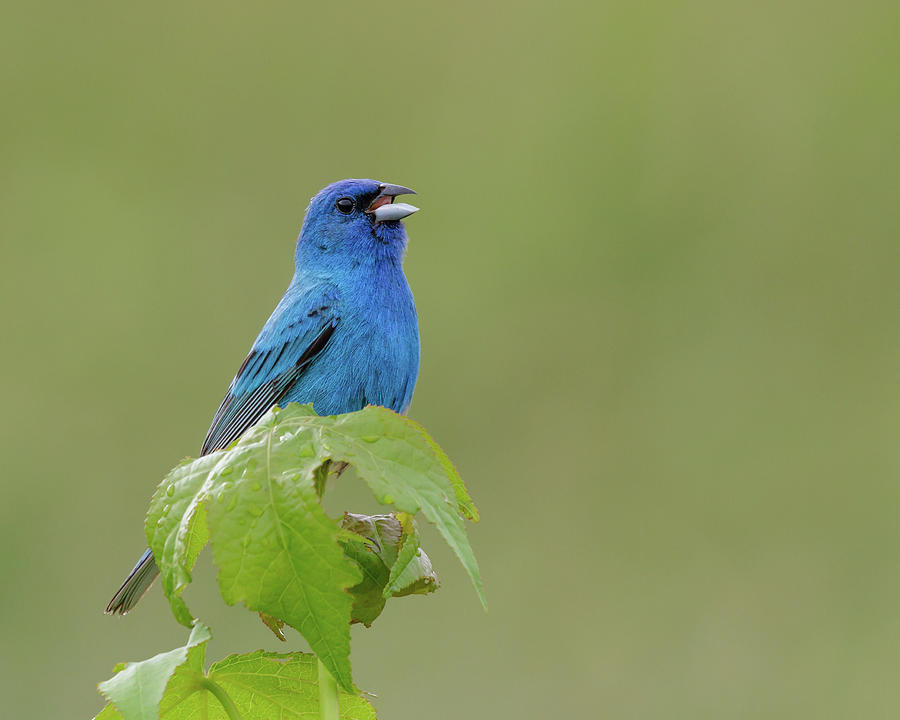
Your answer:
<point x="345" y="205"/>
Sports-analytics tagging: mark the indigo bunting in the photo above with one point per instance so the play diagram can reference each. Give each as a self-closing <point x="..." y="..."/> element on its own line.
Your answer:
<point x="345" y="334"/>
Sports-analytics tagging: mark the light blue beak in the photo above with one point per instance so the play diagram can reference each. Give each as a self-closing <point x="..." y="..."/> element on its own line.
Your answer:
<point x="383" y="206"/>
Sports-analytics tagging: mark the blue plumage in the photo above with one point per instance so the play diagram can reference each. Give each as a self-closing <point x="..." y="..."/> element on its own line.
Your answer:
<point x="344" y="335"/>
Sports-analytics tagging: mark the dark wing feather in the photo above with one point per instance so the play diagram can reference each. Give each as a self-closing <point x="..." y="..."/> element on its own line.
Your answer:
<point x="240" y="411"/>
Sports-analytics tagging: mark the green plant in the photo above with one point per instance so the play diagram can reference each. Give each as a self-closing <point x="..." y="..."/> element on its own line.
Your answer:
<point x="258" y="504"/>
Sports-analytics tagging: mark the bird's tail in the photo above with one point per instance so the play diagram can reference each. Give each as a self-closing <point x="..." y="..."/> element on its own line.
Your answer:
<point x="135" y="585"/>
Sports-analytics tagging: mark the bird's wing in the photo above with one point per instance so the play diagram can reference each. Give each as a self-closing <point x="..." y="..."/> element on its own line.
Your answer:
<point x="296" y="333"/>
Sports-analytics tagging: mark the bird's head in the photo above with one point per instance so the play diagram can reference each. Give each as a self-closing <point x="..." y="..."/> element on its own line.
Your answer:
<point x="353" y="220"/>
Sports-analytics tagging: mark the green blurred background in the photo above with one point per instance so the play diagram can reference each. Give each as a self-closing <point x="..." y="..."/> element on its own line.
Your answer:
<point x="656" y="272"/>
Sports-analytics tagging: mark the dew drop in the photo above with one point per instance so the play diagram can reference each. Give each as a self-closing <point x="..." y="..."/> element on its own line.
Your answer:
<point x="370" y="438"/>
<point x="170" y="491"/>
<point x="232" y="504"/>
<point x="255" y="486"/>
<point x="255" y="510"/>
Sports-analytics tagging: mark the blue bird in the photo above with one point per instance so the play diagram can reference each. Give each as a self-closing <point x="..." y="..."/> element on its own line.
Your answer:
<point x="345" y="334"/>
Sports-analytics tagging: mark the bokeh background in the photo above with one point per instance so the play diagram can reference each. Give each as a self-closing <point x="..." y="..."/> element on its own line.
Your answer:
<point x="656" y="270"/>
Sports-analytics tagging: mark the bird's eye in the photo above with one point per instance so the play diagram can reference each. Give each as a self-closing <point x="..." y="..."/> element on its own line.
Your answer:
<point x="345" y="205"/>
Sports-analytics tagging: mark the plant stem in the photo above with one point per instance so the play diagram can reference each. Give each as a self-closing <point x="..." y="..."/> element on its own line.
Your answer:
<point x="328" y="694"/>
<point x="227" y="703"/>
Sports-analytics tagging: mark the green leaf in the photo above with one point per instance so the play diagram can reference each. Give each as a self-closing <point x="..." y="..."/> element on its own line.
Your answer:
<point x="176" y="526"/>
<point x="276" y="549"/>
<point x="320" y="477"/>
<point x="381" y="534"/>
<point x="108" y="712"/>
<point x="258" y="504"/>
<point x="368" y="601"/>
<point x="275" y="625"/>
<point x="466" y="505"/>
<point x="402" y="465"/>
<point x="280" y="685"/>
<point x="411" y="573"/>
<point x="137" y="689"/>
<point x="391" y="561"/>
<point x="259" y="685"/>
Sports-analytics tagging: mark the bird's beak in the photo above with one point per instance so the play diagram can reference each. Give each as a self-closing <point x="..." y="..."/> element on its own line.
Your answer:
<point x="383" y="206"/>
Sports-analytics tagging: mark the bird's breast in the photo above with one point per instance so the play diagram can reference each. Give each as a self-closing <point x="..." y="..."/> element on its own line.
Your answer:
<point x="386" y="347"/>
<point x="373" y="356"/>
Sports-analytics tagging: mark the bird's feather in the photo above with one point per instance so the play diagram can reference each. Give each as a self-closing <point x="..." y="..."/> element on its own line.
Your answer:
<point x="280" y="356"/>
